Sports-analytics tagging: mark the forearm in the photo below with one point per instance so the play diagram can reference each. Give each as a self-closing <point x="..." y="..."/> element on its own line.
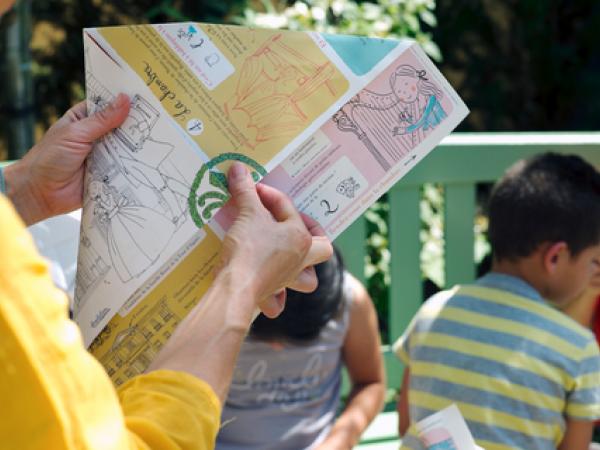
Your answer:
<point x="402" y="406"/>
<point x="206" y="344"/>
<point x="578" y="435"/>
<point x="364" y="404"/>
<point x="18" y="190"/>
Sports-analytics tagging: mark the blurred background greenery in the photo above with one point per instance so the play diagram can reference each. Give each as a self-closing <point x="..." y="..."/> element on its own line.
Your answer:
<point x="520" y="65"/>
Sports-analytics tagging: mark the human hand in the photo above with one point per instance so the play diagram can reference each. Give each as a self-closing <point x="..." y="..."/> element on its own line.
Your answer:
<point x="270" y="245"/>
<point x="48" y="180"/>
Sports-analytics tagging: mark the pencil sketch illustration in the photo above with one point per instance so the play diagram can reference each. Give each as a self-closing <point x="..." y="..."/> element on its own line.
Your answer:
<point x="348" y="187"/>
<point x="91" y="268"/>
<point x="391" y="124"/>
<point x="273" y="81"/>
<point x="135" y="196"/>
<point x="141" y="158"/>
<point x="135" y="347"/>
<point x="135" y="234"/>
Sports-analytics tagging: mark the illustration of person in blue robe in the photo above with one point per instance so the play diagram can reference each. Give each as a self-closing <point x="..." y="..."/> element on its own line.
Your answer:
<point x="424" y="110"/>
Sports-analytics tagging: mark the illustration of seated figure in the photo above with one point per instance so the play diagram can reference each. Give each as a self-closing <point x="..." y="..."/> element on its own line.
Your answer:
<point x="135" y="235"/>
<point x="396" y="121"/>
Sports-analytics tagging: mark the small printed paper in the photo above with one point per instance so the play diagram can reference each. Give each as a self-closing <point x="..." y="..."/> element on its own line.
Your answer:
<point x="446" y="430"/>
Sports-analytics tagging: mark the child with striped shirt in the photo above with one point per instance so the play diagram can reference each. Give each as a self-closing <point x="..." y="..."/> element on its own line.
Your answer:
<point x="523" y="374"/>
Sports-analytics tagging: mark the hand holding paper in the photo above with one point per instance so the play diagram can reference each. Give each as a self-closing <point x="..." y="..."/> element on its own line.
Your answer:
<point x="331" y="121"/>
<point x="48" y="180"/>
<point x="269" y="246"/>
<point x="266" y="249"/>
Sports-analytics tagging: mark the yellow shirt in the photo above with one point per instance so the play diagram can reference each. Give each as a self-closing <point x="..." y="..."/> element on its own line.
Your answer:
<point x="55" y="396"/>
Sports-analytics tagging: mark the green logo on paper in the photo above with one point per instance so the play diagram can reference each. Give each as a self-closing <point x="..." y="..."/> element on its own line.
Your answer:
<point x="203" y="203"/>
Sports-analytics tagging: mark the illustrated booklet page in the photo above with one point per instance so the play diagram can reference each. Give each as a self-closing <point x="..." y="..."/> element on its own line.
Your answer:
<point x="334" y="121"/>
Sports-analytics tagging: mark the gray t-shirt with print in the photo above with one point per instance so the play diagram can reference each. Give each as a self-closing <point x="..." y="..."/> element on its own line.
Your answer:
<point x="286" y="395"/>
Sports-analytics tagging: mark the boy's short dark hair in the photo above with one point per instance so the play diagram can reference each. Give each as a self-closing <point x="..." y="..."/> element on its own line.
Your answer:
<point x="547" y="198"/>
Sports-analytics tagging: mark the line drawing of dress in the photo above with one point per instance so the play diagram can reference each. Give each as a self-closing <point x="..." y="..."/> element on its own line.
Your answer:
<point x="136" y="235"/>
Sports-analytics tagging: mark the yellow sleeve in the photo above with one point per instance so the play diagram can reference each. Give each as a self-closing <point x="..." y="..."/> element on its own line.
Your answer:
<point x="170" y="410"/>
<point x="55" y="395"/>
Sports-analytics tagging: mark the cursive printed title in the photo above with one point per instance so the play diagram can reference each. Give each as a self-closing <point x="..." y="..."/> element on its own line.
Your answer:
<point x="166" y="94"/>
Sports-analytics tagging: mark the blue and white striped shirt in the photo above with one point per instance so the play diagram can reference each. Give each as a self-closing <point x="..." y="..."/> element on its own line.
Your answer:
<point x="515" y="366"/>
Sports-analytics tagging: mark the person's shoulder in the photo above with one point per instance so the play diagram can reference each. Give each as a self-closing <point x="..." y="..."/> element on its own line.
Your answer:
<point x="561" y="323"/>
<point x="437" y="302"/>
<point x="535" y="313"/>
<point x="357" y="300"/>
<point x="354" y="291"/>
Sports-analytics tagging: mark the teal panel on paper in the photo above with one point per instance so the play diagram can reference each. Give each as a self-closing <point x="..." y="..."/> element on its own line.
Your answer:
<point x="360" y="54"/>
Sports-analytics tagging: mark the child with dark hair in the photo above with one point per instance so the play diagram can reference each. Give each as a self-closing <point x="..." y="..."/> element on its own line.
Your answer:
<point x="523" y="374"/>
<point x="585" y="309"/>
<point x="286" y="387"/>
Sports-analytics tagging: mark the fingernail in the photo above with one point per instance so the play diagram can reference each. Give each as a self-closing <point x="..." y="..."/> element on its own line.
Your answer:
<point x="237" y="171"/>
<point x="120" y="101"/>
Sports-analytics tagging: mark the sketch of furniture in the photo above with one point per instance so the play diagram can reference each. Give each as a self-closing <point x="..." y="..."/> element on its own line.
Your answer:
<point x="272" y="83"/>
<point x="136" y="129"/>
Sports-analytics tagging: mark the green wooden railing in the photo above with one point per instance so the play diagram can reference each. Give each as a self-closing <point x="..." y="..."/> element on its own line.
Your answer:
<point x="459" y="163"/>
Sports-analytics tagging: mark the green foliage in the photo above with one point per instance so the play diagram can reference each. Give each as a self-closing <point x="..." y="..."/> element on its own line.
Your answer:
<point x="57" y="46"/>
<point x="384" y="18"/>
<point x="377" y="264"/>
<point x="526" y="65"/>
<point x="432" y="233"/>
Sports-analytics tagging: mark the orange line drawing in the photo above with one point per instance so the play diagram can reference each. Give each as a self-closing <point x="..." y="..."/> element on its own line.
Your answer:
<point x="272" y="83"/>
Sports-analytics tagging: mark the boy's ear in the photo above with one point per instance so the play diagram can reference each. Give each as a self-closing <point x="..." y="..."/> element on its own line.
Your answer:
<point x="553" y="256"/>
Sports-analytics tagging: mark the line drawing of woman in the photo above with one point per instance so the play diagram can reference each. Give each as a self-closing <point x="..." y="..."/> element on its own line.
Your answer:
<point x="416" y="99"/>
<point x="391" y="124"/>
<point x="424" y="110"/>
<point x="136" y="235"/>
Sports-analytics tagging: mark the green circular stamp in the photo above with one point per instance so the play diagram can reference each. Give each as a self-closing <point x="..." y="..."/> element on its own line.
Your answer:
<point x="204" y="203"/>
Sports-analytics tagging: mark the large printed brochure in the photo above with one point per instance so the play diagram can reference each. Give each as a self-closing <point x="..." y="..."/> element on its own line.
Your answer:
<point x="333" y="121"/>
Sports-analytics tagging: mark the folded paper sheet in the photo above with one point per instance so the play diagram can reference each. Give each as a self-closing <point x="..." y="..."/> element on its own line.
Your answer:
<point x="446" y="430"/>
<point x="334" y="121"/>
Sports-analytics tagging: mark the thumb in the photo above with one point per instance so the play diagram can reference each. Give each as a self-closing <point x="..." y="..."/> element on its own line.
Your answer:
<point x="242" y="188"/>
<point x="100" y="123"/>
<point x="273" y="305"/>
